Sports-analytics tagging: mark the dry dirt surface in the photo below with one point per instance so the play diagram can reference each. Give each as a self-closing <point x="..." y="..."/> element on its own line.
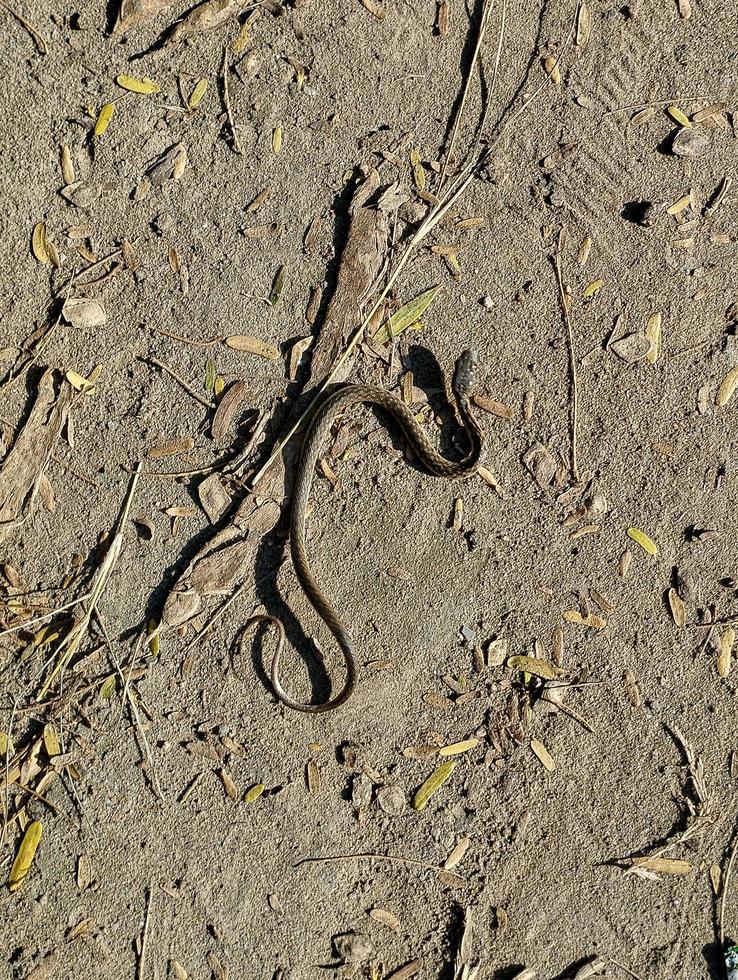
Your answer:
<point x="467" y="813"/>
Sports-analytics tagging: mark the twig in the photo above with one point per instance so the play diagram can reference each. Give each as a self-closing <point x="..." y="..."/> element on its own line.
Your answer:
<point x="35" y="34"/>
<point x="649" y="105"/>
<point x="574" y="401"/>
<point x="227" y="102"/>
<point x="75" y="472"/>
<point x="716" y="622"/>
<point x="457" y="122"/>
<point x="571" y="712"/>
<point x="724" y="896"/>
<point x="367" y="855"/>
<point x="134" y="708"/>
<point x="256" y="431"/>
<point x="180" y="380"/>
<point x="625" y="969"/>
<point x="145" y="935"/>
<point x="66" y="649"/>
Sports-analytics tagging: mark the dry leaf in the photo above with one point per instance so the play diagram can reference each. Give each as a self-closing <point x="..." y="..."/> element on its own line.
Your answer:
<point x="387" y="919"/>
<point x="727" y="388"/>
<point x="374" y="8"/>
<point x="214" y="498"/>
<point x="457" y="854"/>
<point x="226" y="409"/>
<point x="132" y="13"/>
<point x="171" y="164"/>
<point x="676" y="604"/>
<point x="206" y="16"/>
<point x="632" y="347"/>
<point x="690" y="143"/>
<point x="725" y="652"/>
<point x="84" y="312"/>
<point x="576" y="617"/>
<point x="584" y="26"/>
<point x="252" y="345"/>
<point x="180" y="444"/>
<point x="542" y="753"/>
<point x="659" y="865"/>
<point x="653" y="333"/>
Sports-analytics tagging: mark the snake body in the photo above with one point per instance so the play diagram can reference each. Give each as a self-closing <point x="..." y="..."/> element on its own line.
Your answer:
<point x="427" y="455"/>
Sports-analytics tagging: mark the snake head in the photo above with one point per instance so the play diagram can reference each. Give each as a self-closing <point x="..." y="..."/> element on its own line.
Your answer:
<point x="465" y="372"/>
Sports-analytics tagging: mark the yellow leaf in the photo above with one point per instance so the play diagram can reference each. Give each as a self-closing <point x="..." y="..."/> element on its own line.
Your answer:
<point x="254" y="793"/>
<point x="727" y="388"/>
<point x="641" y="538"/>
<point x="593" y="288"/>
<point x="678" y="116"/>
<point x="277" y="139"/>
<point x="456" y="748"/>
<point x="51" y="740"/>
<point x="533" y="665"/>
<point x="543" y="755"/>
<point x="197" y="93"/>
<point x="79" y="383"/>
<point x="25" y="855"/>
<point x="39" y="244"/>
<point x="406" y="316"/>
<point x="653" y="332"/>
<point x="144" y="86"/>
<point x="664" y="866"/>
<point x="433" y="783"/>
<point x="103" y="119"/>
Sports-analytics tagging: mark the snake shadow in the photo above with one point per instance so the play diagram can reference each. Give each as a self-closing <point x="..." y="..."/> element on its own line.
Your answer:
<point x="273" y="550"/>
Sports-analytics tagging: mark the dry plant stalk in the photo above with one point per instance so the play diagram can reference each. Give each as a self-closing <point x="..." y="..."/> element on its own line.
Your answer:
<point x="69" y="645"/>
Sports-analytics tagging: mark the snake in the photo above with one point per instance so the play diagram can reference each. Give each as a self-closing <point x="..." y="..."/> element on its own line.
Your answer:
<point x="426" y="454"/>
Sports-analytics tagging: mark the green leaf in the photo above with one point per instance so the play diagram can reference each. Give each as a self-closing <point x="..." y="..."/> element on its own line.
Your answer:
<point x="407" y="316"/>
<point x="278" y="286"/>
<point x="210" y="374"/>
<point x="108" y="686"/>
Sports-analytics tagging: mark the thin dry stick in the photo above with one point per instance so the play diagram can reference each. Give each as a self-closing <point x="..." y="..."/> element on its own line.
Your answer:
<point x="180" y="380"/>
<point x="227" y="101"/>
<point x="457" y="122"/>
<point x="724" y="896"/>
<point x="256" y="431"/>
<point x="571" y="712"/>
<point x="368" y="855"/>
<point x="132" y="703"/>
<point x="35" y="34"/>
<point x="145" y="934"/>
<point x="66" y="649"/>
<point x="572" y="361"/>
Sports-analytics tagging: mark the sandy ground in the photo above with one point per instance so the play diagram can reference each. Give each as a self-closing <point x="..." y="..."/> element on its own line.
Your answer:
<point x="213" y="881"/>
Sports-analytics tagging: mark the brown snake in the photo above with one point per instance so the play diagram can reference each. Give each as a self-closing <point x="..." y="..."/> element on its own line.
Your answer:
<point x="427" y="455"/>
